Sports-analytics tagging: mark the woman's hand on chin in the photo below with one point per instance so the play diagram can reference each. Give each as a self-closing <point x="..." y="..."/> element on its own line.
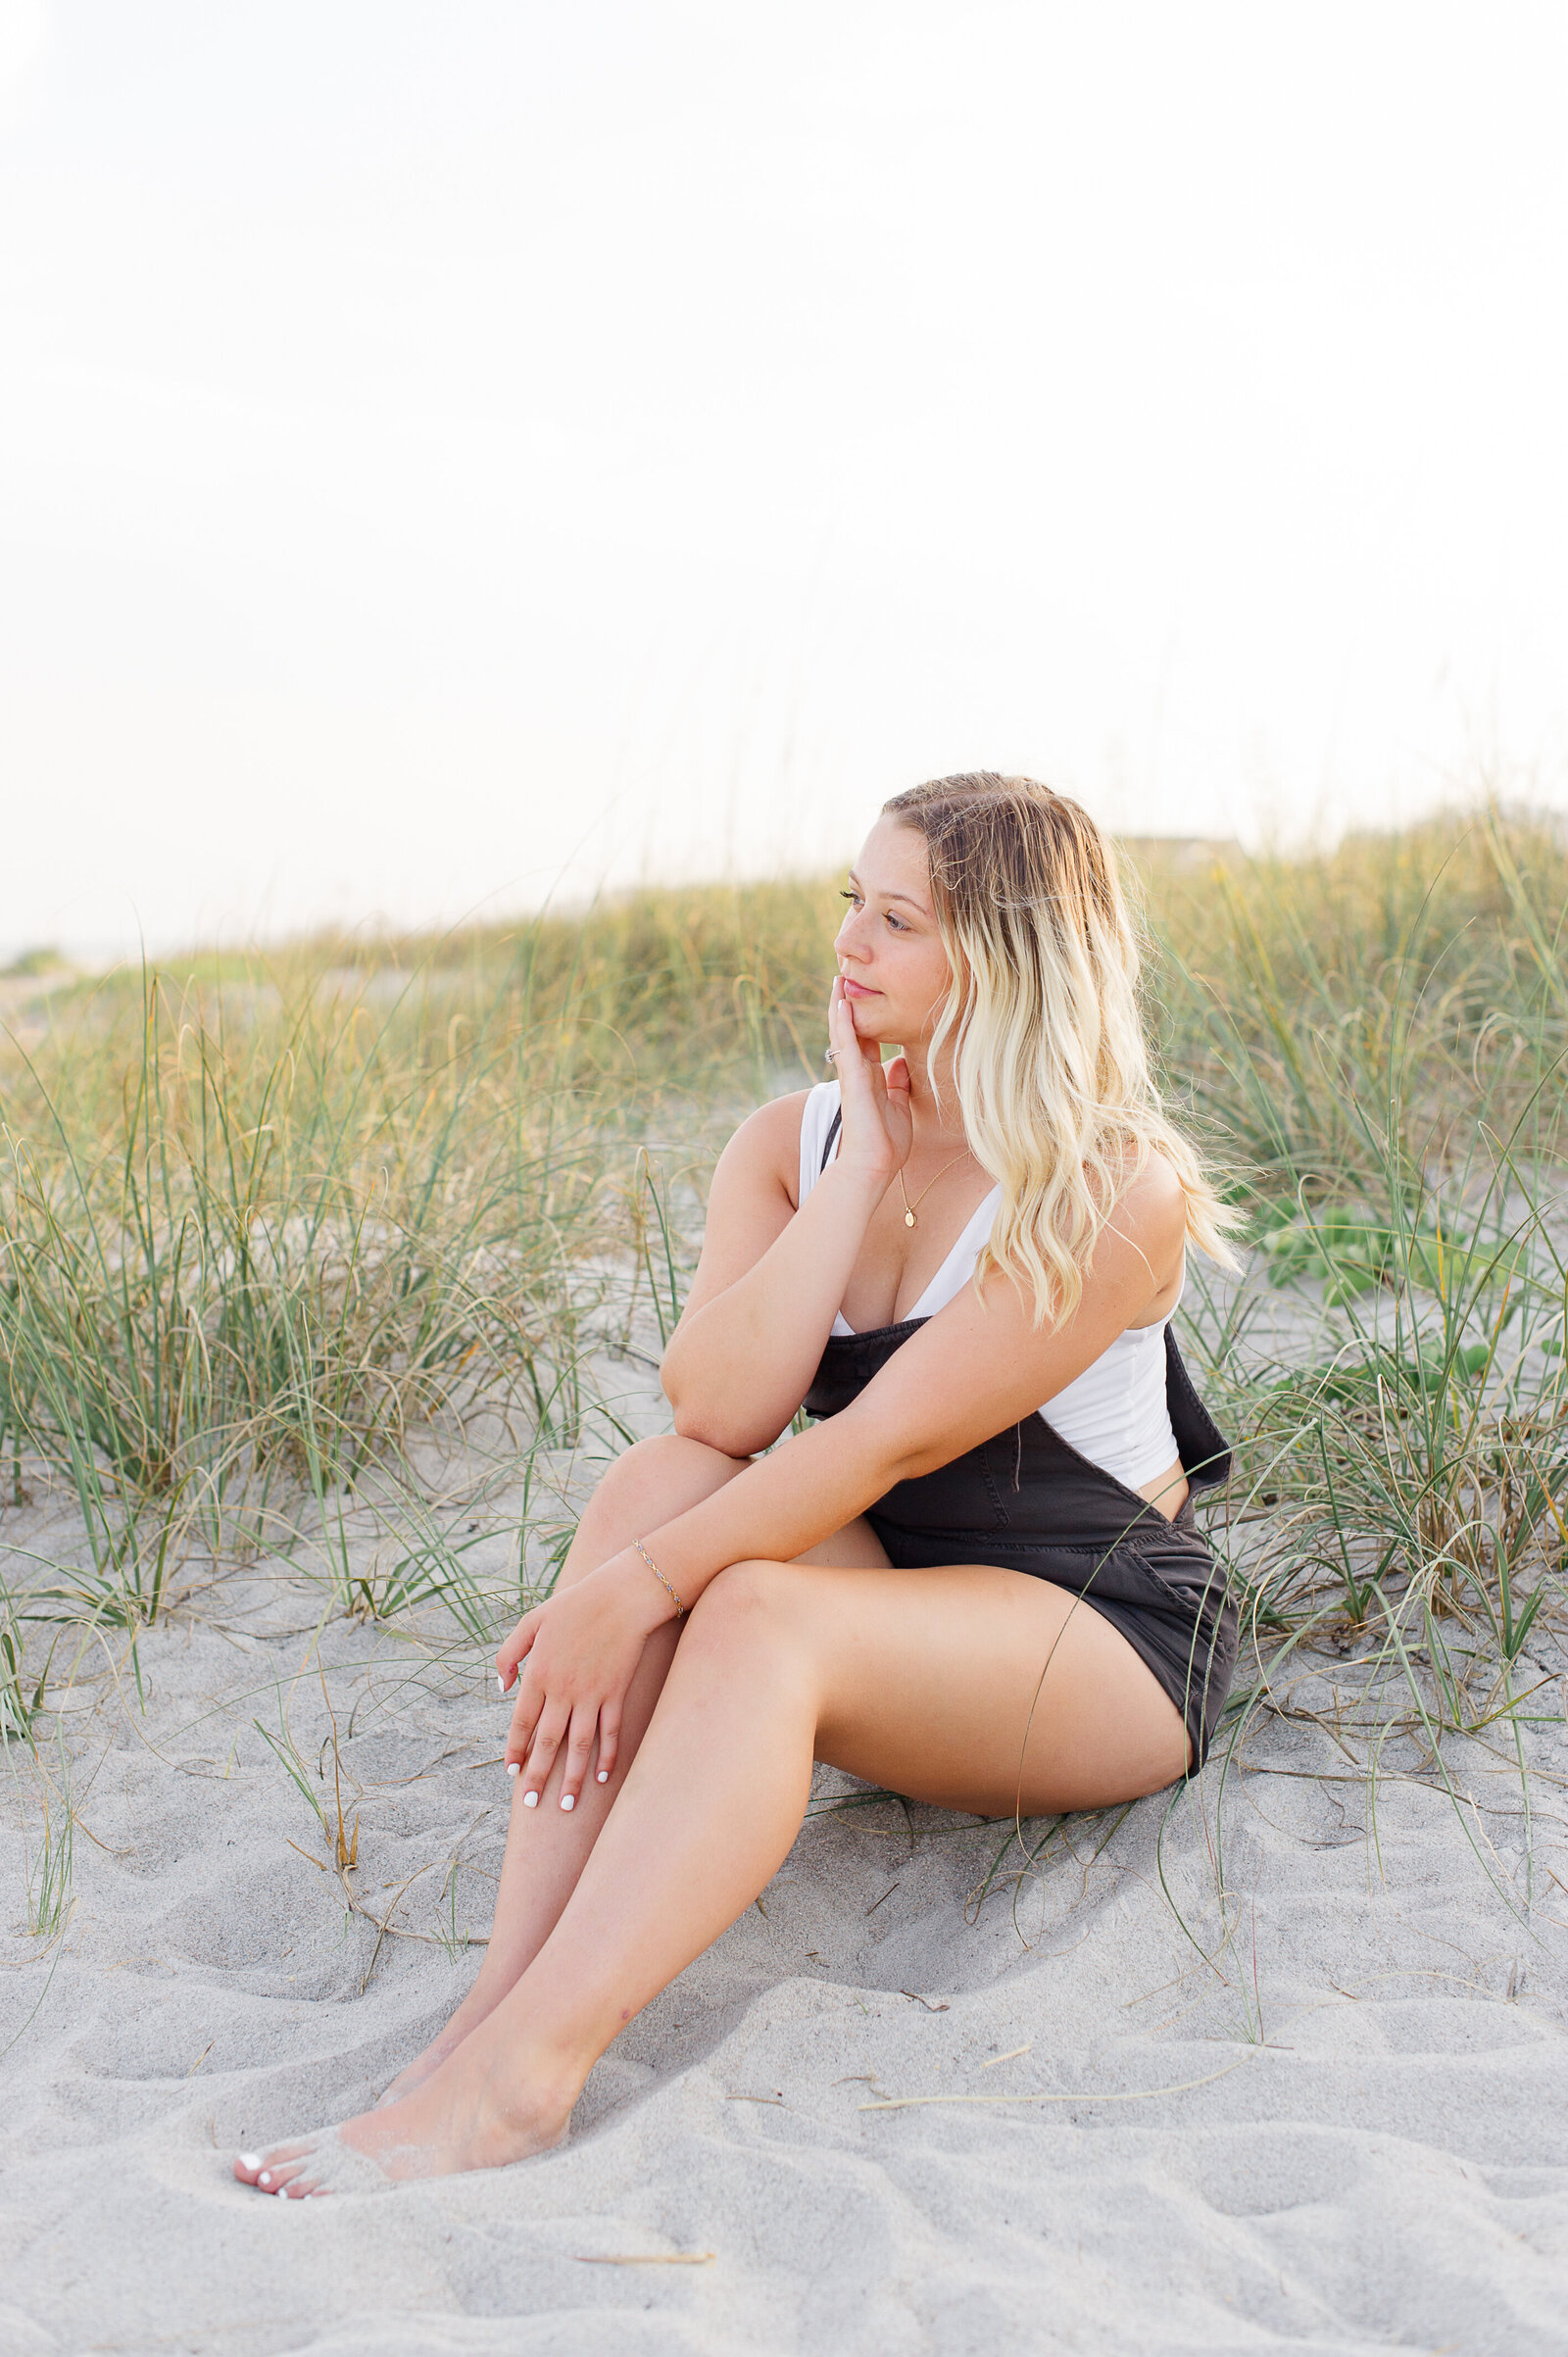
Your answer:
<point x="875" y="1097"/>
<point x="573" y="1657"/>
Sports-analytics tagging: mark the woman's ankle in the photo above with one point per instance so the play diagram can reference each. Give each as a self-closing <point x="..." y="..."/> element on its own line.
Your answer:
<point x="522" y="2063"/>
<point x="477" y="2007"/>
<point x="494" y="1982"/>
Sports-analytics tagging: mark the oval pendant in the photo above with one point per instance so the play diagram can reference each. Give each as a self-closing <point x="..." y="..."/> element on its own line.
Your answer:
<point x="908" y="1219"/>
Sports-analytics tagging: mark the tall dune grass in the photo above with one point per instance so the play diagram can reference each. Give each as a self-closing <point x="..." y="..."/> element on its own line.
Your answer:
<point x="255" y="1225"/>
<point x="1376" y="1043"/>
<point x="264" y="1219"/>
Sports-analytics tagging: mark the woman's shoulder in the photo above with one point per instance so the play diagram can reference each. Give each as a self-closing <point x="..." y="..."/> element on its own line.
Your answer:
<point x="1151" y="1207"/>
<point x="781" y="1117"/>
<point x="773" y="1139"/>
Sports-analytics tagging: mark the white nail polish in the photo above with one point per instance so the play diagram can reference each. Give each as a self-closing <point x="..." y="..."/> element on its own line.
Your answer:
<point x="530" y="1800"/>
<point x="513" y="1767"/>
<point x="568" y="1800"/>
<point x="266" y="2178"/>
<point x="250" y="2160"/>
<point x="501" y="1682"/>
<point x="603" y="1775"/>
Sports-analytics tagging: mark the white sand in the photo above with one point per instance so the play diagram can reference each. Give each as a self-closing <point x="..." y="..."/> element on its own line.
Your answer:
<point x="1375" y="2153"/>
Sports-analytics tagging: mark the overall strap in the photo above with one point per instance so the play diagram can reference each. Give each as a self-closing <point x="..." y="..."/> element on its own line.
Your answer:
<point x="834" y="1127"/>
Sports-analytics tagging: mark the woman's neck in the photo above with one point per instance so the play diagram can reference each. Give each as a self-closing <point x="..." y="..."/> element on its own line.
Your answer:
<point x="934" y="1106"/>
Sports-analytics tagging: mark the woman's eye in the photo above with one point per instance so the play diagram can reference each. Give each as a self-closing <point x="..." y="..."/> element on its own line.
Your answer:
<point x="856" y="902"/>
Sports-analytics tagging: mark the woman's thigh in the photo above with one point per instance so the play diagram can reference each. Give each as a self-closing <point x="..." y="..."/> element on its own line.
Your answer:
<point x="855" y="1548"/>
<point x="979" y="1688"/>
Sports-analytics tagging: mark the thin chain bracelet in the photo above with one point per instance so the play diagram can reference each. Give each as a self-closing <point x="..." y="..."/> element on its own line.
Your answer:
<point x="680" y="1609"/>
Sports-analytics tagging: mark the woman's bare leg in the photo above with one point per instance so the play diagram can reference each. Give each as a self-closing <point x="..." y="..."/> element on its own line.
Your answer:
<point x="926" y="1682"/>
<point x="546" y="1848"/>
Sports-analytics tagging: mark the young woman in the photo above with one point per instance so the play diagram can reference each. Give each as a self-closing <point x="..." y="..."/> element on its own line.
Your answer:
<point x="976" y="1579"/>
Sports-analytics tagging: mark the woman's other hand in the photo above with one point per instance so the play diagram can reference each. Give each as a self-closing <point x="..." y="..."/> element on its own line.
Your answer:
<point x="573" y="1657"/>
<point x="875" y="1097"/>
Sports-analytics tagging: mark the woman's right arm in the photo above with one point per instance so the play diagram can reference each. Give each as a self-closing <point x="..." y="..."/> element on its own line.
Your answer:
<point x="767" y="1287"/>
<point x="771" y="1277"/>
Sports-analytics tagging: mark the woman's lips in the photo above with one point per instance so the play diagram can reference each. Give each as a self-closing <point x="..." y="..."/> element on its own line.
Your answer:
<point x="859" y="990"/>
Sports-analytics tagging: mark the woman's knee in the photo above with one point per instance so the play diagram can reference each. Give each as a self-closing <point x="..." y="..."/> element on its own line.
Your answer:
<point x="754" y="1602"/>
<point x="666" y="1466"/>
<point x="651" y="1483"/>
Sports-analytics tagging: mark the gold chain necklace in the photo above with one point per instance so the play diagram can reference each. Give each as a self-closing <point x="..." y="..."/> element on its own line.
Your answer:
<point x="909" y="1209"/>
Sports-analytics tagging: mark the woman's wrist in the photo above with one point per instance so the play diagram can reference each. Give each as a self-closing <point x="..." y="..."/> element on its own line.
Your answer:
<point x="865" y="1183"/>
<point x="639" y="1549"/>
<point x="652" y="1595"/>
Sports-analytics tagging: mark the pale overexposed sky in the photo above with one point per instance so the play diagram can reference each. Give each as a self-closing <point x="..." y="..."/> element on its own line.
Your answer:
<point x="450" y="450"/>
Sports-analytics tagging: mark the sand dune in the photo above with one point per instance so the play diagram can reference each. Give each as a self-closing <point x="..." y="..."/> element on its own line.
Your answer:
<point x="1266" y="2073"/>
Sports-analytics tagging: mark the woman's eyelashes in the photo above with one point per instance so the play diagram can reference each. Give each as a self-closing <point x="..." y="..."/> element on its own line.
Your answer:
<point x="887" y="918"/>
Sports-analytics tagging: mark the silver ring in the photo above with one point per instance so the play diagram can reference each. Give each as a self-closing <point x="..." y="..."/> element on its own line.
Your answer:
<point x="830" y="1055"/>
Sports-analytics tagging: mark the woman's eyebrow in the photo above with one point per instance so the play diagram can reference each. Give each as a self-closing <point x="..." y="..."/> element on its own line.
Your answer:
<point x="918" y="905"/>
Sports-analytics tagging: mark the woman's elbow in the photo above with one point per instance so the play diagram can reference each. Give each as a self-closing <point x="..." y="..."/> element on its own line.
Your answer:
<point x="704" y="1407"/>
<point x="692" y="1412"/>
<point x="680" y="1387"/>
<point x="729" y="1435"/>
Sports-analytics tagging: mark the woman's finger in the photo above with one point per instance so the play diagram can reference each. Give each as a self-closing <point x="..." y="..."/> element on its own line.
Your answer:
<point x="524" y="1717"/>
<point x="547" y="1737"/>
<point x="579" y="1750"/>
<point x="853" y="1057"/>
<point x="841" y="1021"/>
<point x="515" y="1648"/>
<point x="837" y="1018"/>
<point x="608" y="1740"/>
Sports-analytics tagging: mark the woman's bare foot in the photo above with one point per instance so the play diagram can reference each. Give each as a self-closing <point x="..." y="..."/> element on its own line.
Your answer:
<point x="478" y="2006"/>
<point x="414" y="2075"/>
<point x="469" y="2113"/>
<point x="425" y="2066"/>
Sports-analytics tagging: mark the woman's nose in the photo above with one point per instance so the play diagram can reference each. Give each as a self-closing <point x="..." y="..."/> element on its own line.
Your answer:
<point x="845" y="941"/>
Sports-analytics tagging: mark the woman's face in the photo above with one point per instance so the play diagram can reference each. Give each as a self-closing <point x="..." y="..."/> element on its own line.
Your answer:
<point x="888" y="948"/>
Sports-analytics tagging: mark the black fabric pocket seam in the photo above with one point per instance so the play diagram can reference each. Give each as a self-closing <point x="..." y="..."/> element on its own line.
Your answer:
<point x="1211" y="1598"/>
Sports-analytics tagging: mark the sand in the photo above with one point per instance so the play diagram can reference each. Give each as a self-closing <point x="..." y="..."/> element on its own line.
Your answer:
<point x="1259" y="2070"/>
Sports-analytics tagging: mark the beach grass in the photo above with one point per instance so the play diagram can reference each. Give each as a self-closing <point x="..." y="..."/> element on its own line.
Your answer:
<point x="1375" y="1041"/>
<point x="269" y="1222"/>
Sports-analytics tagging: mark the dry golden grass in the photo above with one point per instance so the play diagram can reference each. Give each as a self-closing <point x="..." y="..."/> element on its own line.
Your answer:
<point x="264" y="1217"/>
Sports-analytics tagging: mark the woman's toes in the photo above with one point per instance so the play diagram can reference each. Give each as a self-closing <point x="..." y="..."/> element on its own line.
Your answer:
<point x="273" y="2171"/>
<point x="320" y="2164"/>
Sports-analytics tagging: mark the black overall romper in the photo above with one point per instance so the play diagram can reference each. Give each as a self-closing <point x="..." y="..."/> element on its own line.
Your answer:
<point x="1028" y="1501"/>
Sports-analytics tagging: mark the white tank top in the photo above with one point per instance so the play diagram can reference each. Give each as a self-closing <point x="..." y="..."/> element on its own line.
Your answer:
<point x="1115" y="1413"/>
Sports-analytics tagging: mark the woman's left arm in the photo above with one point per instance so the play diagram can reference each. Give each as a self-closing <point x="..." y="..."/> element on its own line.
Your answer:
<point x="978" y="1366"/>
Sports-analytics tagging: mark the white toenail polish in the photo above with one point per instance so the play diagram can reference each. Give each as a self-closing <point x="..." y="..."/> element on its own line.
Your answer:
<point x="266" y="2178"/>
<point x="530" y="1800"/>
<point x="568" y="1800"/>
<point x="513" y="1767"/>
<point x="250" y="2160"/>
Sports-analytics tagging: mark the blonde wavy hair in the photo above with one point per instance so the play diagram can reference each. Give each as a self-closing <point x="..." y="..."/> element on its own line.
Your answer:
<point x="1041" y="1021"/>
